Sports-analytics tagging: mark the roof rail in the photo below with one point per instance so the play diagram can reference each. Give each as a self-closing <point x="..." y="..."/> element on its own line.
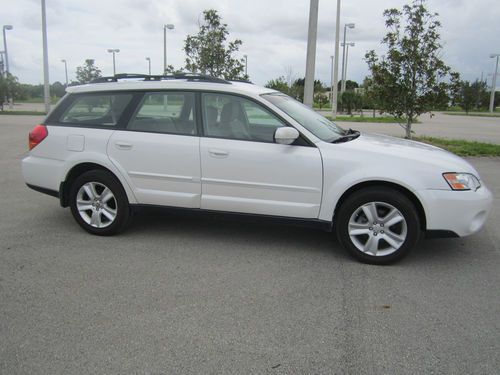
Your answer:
<point x="145" y="77"/>
<point x="241" y="80"/>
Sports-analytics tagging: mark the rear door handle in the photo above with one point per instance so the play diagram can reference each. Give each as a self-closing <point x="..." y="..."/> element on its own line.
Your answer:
<point x="123" y="145"/>
<point x="218" y="153"/>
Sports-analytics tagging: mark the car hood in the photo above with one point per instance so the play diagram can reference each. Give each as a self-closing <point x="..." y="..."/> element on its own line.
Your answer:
<point x="378" y="145"/>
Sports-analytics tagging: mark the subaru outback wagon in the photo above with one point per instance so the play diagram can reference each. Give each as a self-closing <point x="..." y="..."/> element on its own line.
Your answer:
<point x="204" y="143"/>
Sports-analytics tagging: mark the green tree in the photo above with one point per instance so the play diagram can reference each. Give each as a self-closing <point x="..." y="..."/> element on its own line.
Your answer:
<point x="349" y="101"/>
<point x="321" y="99"/>
<point x="349" y="85"/>
<point x="467" y="96"/>
<point x="482" y="94"/>
<point x="408" y="80"/>
<point x="278" y="84"/>
<point x="9" y="88"/>
<point x="370" y="100"/>
<point x="3" y="91"/>
<point x="209" y="52"/>
<point x="87" y="72"/>
<point x="297" y="89"/>
<point x="57" y="89"/>
<point x="455" y="88"/>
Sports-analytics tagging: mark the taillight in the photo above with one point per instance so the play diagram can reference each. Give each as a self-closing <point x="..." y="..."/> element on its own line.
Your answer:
<point x="37" y="135"/>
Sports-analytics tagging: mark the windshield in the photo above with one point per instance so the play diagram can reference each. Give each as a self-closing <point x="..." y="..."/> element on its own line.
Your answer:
<point x="321" y="127"/>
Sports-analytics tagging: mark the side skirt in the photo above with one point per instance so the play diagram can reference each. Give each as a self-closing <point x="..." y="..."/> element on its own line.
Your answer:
<point x="293" y="221"/>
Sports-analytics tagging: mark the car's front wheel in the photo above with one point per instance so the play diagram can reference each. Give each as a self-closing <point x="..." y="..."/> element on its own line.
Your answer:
<point x="378" y="225"/>
<point x="99" y="203"/>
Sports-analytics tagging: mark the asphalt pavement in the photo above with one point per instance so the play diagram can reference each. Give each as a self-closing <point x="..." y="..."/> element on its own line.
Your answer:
<point x="471" y="128"/>
<point x="182" y="294"/>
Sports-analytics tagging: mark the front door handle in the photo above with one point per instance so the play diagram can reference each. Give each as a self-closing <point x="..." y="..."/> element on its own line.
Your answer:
<point x="123" y="145"/>
<point x="218" y="153"/>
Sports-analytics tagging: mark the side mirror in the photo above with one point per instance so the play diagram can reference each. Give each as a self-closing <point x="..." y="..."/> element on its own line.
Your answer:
<point x="286" y="135"/>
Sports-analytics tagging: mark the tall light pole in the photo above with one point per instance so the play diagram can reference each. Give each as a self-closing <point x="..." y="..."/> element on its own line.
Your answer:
<point x="311" y="53"/>
<point x="331" y="80"/>
<point x="46" y="85"/>
<point x="1" y="63"/>
<point x="494" y="83"/>
<point x="246" y="64"/>
<point x="6" y="27"/>
<point x="350" y="26"/>
<point x="168" y="26"/>
<point x="336" y="66"/>
<point x="344" y="72"/>
<point x="148" y="59"/>
<point x="113" y="51"/>
<point x="65" y="70"/>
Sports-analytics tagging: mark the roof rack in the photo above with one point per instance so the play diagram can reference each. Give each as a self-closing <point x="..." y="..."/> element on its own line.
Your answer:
<point x="145" y="77"/>
<point x="241" y="80"/>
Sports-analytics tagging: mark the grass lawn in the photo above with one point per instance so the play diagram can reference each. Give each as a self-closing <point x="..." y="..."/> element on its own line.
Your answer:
<point x="378" y="119"/>
<point x="53" y="100"/>
<point x="34" y="113"/>
<point x="462" y="147"/>
<point x="476" y="114"/>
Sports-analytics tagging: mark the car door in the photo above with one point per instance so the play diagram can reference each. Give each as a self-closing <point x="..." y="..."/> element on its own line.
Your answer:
<point x="158" y="151"/>
<point x="243" y="170"/>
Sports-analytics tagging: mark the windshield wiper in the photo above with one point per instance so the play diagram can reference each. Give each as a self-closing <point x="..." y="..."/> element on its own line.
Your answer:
<point x="348" y="136"/>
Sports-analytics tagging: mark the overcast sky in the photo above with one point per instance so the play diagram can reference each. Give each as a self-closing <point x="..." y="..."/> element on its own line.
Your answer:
<point x="274" y="34"/>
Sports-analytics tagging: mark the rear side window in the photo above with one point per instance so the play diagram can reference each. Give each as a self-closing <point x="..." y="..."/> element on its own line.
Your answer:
<point x="165" y="112"/>
<point x="101" y="110"/>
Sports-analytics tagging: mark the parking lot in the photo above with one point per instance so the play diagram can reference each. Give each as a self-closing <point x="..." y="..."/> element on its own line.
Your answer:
<point x="181" y="293"/>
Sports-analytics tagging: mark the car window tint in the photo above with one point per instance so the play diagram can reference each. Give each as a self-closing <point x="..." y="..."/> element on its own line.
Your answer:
<point x="234" y="117"/>
<point x="104" y="110"/>
<point x="170" y="113"/>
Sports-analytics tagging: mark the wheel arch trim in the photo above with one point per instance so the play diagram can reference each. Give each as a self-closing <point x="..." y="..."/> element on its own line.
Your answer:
<point x="411" y="195"/>
<point x="80" y="167"/>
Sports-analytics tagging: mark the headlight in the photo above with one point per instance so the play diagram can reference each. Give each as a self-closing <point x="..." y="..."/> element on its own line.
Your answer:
<point x="462" y="181"/>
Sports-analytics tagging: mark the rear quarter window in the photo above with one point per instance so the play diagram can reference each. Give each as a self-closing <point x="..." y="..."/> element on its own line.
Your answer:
<point x="95" y="110"/>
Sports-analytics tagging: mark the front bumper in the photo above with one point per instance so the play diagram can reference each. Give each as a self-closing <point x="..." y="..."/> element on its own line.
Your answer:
<point x="461" y="212"/>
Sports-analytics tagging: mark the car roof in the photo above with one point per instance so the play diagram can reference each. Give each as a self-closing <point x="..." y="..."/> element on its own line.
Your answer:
<point x="177" y="84"/>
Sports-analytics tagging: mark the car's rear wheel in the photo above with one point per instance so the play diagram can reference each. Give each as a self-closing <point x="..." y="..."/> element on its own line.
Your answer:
<point x="378" y="225"/>
<point x="99" y="203"/>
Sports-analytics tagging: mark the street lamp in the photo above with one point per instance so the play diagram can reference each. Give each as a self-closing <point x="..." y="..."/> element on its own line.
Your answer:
<point x="6" y="27"/>
<point x="336" y="66"/>
<point x="46" y="82"/>
<point x="346" y="26"/>
<point x="65" y="70"/>
<point x="494" y="83"/>
<point x="113" y="51"/>
<point x="344" y="72"/>
<point x="168" y="26"/>
<point x="331" y="81"/>
<point x="246" y="65"/>
<point x="148" y="59"/>
<point x="311" y="53"/>
<point x="1" y="62"/>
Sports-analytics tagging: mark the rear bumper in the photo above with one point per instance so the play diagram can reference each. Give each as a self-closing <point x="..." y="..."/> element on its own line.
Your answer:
<point x="43" y="173"/>
<point x="460" y="212"/>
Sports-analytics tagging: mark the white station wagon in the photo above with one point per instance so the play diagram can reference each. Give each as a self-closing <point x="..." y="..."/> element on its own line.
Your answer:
<point x="204" y="143"/>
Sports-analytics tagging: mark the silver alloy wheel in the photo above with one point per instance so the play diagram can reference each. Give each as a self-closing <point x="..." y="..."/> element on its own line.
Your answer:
<point x="377" y="228"/>
<point x="96" y="204"/>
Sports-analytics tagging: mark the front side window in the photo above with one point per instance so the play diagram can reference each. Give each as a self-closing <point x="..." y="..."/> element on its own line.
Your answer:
<point x="168" y="113"/>
<point x="92" y="110"/>
<point x="234" y="117"/>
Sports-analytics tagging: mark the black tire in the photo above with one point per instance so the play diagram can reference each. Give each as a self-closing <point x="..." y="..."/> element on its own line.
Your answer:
<point x="116" y="206"/>
<point x="381" y="199"/>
